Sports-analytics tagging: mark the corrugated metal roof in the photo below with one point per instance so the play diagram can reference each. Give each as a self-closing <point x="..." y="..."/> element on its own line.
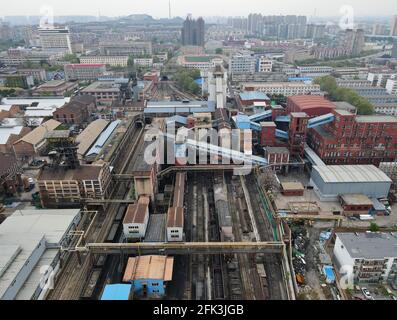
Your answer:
<point x="103" y="138"/>
<point x="253" y="95"/>
<point x="351" y="173"/>
<point x="5" y="133"/>
<point x="149" y="267"/>
<point x="90" y="134"/>
<point x="26" y="229"/>
<point x="42" y="102"/>
<point x="38" y="134"/>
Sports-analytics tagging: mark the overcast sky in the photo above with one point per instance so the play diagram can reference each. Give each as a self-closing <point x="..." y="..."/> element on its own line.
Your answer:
<point x="159" y="8"/>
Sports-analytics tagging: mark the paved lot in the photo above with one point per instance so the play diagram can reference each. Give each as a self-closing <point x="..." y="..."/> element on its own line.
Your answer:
<point x="327" y="207"/>
<point x="378" y="292"/>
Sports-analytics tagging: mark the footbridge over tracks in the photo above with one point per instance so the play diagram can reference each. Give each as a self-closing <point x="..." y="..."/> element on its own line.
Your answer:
<point x="183" y="248"/>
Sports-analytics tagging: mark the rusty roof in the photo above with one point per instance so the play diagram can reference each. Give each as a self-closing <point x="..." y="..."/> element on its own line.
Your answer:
<point x="149" y="267"/>
<point x="179" y="190"/>
<point x="136" y="213"/>
<point x="175" y="217"/>
<point x="308" y="102"/>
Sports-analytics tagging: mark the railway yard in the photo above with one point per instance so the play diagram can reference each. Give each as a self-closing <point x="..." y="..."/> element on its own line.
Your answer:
<point x="167" y="90"/>
<point x="218" y="206"/>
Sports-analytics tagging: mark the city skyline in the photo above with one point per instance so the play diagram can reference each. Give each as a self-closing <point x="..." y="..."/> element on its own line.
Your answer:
<point x="206" y="8"/>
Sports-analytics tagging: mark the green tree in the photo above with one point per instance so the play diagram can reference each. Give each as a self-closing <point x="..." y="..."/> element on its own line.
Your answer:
<point x="328" y="84"/>
<point x="219" y="51"/>
<point x="373" y="227"/>
<point x="130" y="61"/>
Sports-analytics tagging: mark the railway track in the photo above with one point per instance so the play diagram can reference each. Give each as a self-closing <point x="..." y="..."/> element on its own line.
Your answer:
<point x="272" y="262"/>
<point x="72" y="279"/>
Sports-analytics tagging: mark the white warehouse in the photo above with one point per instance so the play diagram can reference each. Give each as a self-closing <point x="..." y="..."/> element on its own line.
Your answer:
<point x="30" y="242"/>
<point x="331" y="181"/>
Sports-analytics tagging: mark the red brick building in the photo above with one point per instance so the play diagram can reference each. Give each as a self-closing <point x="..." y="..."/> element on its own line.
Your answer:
<point x="277" y="156"/>
<point x="76" y="111"/>
<point x="313" y="106"/>
<point x="352" y="139"/>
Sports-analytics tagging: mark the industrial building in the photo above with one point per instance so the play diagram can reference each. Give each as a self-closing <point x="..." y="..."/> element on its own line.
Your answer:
<point x="354" y="204"/>
<point x="9" y="134"/>
<point x="371" y="256"/>
<point x="136" y="219"/>
<point x="10" y="174"/>
<point x="89" y="135"/>
<point x="104" y="91"/>
<point x="175" y="222"/>
<point x="145" y="175"/>
<point x="55" y="88"/>
<point x="311" y="105"/>
<point x="248" y="98"/>
<point x="353" y="139"/>
<point x="103" y="138"/>
<point x="331" y="181"/>
<point x="30" y="252"/>
<point x="149" y="275"/>
<point x="31" y="144"/>
<point x="36" y="106"/>
<point x="61" y="186"/>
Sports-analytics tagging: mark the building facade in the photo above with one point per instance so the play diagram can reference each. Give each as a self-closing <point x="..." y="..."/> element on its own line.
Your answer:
<point x="113" y="61"/>
<point x="84" y="72"/>
<point x="370" y="257"/>
<point x="55" y="38"/>
<point x="352" y="139"/>
<point x="242" y="64"/>
<point x="65" y="187"/>
<point x="284" y="88"/>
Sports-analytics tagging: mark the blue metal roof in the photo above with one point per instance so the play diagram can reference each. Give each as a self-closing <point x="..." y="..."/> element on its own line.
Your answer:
<point x="242" y="121"/>
<point x="116" y="292"/>
<point x="100" y="142"/>
<point x="253" y="95"/>
<point x="199" y="81"/>
<point x="177" y="118"/>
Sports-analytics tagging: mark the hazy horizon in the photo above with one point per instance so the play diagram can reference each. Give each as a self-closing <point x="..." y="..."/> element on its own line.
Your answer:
<point x="205" y="8"/>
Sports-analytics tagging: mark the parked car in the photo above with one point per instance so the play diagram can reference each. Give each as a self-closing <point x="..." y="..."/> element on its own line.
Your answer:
<point x="367" y="294"/>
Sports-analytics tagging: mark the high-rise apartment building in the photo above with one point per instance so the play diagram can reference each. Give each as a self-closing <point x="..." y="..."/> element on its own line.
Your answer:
<point x="394" y="50"/>
<point x="255" y="24"/>
<point x="53" y="38"/>
<point x="393" y="29"/>
<point x="193" y="32"/>
<point x="354" y="41"/>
